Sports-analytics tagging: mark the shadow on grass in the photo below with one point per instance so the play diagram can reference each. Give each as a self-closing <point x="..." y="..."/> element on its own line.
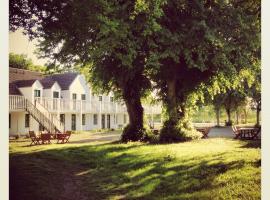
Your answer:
<point x="252" y="144"/>
<point x="113" y="172"/>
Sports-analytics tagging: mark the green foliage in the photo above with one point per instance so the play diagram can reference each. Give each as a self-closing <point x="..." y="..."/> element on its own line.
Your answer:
<point x="21" y="61"/>
<point x="180" y="132"/>
<point x="132" y="133"/>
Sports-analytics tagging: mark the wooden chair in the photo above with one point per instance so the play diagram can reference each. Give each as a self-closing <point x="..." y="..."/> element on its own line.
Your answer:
<point x="34" y="138"/>
<point x="63" y="137"/>
<point x="46" y="138"/>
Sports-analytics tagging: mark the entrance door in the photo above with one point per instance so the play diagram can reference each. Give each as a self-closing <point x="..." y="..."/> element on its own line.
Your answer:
<point x="103" y="121"/>
<point x="108" y="121"/>
<point x="73" y="122"/>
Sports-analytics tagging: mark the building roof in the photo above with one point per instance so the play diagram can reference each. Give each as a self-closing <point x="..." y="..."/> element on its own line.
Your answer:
<point x="22" y="74"/>
<point x="26" y="78"/>
<point x="13" y="90"/>
<point x="64" y="80"/>
<point x="25" y="83"/>
<point x="48" y="82"/>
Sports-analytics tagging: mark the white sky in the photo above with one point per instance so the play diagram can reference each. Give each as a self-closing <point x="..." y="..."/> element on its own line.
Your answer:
<point x="20" y="44"/>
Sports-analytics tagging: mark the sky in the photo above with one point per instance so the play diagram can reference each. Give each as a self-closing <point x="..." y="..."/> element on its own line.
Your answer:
<point x="20" y="44"/>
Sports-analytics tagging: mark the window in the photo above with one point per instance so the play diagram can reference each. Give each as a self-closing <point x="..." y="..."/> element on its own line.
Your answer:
<point x="100" y="98"/>
<point x="62" y="118"/>
<point x="125" y="118"/>
<point x="74" y="96"/>
<point x="83" y="97"/>
<point x="36" y="93"/>
<point x="83" y="119"/>
<point x="111" y="99"/>
<point x="9" y="121"/>
<point x="40" y="128"/>
<point x="55" y="94"/>
<point x="95" y="119"/>
<point x="27" y="120"/>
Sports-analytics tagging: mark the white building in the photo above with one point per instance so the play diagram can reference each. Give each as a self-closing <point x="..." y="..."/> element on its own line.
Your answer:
<point x="60" y="102"/>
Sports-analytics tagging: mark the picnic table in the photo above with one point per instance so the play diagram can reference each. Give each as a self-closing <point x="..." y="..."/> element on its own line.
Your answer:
<point x="246" y="132"/>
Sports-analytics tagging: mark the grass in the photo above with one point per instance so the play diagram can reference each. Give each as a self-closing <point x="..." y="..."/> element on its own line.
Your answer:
<point x="216" y="168"/>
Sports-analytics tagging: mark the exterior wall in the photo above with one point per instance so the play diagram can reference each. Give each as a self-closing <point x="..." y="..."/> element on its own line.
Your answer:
<point x="48" y="93"/>
<point x="79" y="87"/>
<point x="28" y="92"/>
<point x="18" y="124"/>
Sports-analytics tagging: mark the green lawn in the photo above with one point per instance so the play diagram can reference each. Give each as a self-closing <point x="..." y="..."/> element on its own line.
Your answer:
<point x="206" y="169"/>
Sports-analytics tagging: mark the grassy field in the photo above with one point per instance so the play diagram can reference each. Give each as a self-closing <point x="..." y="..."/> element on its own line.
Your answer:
<point x="214" y="168"/>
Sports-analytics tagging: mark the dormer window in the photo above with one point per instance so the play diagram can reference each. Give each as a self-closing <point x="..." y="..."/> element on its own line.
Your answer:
<point x="111" y="99"/>
<point x="100" y="98"/>
<point x="83" y="97"/>
<point x="55" y="94"/>
<point x="36" y="93"/>
<point x="74" y="96"/>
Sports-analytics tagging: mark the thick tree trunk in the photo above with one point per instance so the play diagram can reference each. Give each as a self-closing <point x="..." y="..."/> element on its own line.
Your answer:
<point x="135" y="112"/>
<point x="172" y="110"/>
<point x="134" y="130"/>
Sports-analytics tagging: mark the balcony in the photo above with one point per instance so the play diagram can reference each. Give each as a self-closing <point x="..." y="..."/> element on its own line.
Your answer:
<point x="77" y="106"/>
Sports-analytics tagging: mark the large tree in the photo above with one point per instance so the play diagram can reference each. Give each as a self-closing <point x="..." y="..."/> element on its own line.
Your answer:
<point x="198" y="40"/>
<point x="110" y="37"/>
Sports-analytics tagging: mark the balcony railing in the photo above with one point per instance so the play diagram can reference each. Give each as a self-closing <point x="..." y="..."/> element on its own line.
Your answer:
<point x="84" y="106"/>
<point x="66" y="105"/>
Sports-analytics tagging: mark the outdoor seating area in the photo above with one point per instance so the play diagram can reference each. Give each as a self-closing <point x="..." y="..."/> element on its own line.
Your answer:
<point x="46" y="137"/>
<point x="249" y="133"/>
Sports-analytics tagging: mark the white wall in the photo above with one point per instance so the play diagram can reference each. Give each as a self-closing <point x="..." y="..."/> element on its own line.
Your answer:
<point x="28" y="92"/>
<point x="18" y="124"/>
<point x="48" y="93"/>
<point x="79" y="87"/>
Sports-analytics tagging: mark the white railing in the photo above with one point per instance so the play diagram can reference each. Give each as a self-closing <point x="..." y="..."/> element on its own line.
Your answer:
<point x="16" y="102"/>
<point x="65" y="105"/>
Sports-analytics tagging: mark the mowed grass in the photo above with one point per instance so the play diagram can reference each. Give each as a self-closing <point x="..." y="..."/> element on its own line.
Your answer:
<point x="214" y="168"/>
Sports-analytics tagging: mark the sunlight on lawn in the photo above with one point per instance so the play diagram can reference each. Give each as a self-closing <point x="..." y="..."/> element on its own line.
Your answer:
<point x="206" y="169"/>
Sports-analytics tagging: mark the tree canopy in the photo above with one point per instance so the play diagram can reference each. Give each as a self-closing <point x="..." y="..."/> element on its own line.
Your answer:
<point x="130" y="46"/>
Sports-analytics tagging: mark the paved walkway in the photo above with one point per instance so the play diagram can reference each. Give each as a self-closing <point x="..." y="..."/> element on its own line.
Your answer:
<point x="95" y="137"/>
<point x="226" y="132"/>
<point x="116" y="135"/>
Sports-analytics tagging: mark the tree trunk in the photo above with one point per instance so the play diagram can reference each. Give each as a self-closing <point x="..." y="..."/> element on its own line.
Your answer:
<point x="134" y="130"/>
<point x="218" y="116"/>
<point x="237" y="116"/>
<point x="245" y="114"/>
<point x="171" y="102"/>
<point x="228" y="111"/>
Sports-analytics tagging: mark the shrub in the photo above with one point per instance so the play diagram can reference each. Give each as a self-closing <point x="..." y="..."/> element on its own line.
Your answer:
<point x="132" y="133"/>
<point x="180" y="132"/>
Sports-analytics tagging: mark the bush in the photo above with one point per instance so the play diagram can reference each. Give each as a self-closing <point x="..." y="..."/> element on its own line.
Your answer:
<point x="132" y="133"/>
<point x="180" y="132"/>
<point x="151" y="137"/>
